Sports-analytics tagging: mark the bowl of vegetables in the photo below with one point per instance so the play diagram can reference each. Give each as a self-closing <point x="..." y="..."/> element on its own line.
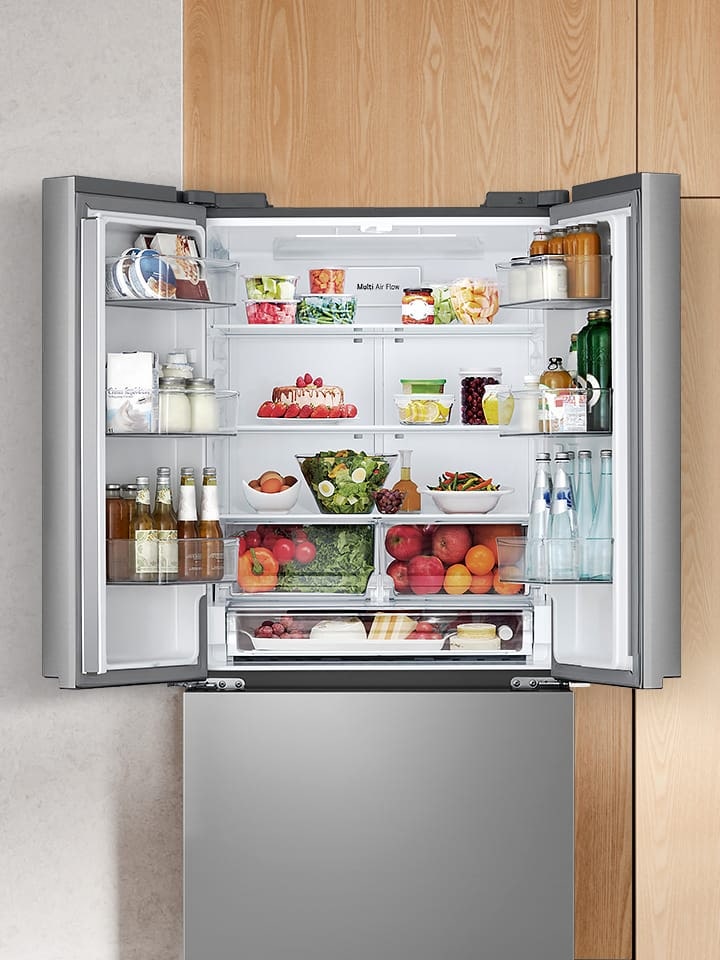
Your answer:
<point x="466" y="492"/>
<point x="326" y="308"/>
<point x="345" y="481"/>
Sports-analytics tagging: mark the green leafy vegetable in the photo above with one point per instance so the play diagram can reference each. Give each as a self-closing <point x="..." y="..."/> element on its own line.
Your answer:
<point x="326" y="308"/>
<point x="343" y="562"/>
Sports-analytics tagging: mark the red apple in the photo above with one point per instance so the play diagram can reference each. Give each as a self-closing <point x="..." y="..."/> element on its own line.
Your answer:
<point x="425" y="626"/>
<point x="450" y="543"/>
<point x="398" y="570"/>
<point x="426" y="574"/>
<point x="404" y="541"/>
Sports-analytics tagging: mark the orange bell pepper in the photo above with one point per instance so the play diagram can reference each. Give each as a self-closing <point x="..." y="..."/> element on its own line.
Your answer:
<point x="257" y="570"/>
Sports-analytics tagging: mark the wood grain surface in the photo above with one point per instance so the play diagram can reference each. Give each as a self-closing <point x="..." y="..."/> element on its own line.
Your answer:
<point x="409" y="102"/>
<point x="679" y="92"/>
<point x="414" y="102"/>
<point x="678" y="728"/>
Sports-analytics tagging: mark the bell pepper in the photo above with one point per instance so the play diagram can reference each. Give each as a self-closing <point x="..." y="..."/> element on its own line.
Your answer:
<point x="257" y="570"/>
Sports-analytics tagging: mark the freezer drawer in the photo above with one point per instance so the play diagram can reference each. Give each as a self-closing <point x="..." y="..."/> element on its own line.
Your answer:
<point x="410" y="826"/>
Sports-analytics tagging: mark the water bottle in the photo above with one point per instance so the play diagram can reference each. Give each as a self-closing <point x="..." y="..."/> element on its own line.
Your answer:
<point x="535" y="551"/>
<point x="599" y="544"/>
<point x="562" y="529"/>
<point x="585" y="507"/>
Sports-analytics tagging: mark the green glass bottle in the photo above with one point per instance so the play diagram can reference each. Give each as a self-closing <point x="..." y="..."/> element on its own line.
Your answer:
<point x="599" y="371"/>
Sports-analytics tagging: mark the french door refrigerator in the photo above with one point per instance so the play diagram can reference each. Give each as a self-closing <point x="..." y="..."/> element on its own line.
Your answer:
<point x="374" y="765"/>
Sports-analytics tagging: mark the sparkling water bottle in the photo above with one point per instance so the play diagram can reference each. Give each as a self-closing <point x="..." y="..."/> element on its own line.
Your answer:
<point x="535" y="551"/>
<point x="599" y="544"/>
<point x="562" y="529"/>
<point x="585" y="507"/>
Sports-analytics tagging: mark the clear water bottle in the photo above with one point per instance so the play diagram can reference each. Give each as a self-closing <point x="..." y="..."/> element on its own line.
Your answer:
<point x="585" y="506"/>
<point x="563" y="529"/>
<point x="599" y="544"/>
<point x="535" y="551"/>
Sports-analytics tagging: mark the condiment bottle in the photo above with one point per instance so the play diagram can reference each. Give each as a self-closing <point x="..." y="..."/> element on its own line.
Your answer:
<point x="143" y="548"/>
<point x="539" y="244"/>
<point x="570" y="250"/>
<point x="412" y="500"/>
<point x="164" y="525"/>
<point x="555" y="240"/>
<point x="204" y="415"/>
<point x="556" y="377"/>
<point x="418" y="305"/>
<point x="212" y="550"/>
<point x="587" y="264"/>
<point x="189" y="553"/>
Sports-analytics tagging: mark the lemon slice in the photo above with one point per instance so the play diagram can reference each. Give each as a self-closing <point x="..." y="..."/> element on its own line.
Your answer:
<point x="430" y="412"/>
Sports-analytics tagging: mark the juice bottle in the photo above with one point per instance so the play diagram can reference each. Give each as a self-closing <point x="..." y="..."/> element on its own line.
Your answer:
<point x="411" y="503"/>
<point x="587" y="264"/>
<point x="539" y="243"/>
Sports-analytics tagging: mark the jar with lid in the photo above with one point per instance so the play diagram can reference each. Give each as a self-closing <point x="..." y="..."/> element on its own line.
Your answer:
<point x="177" y="365"/>
<point x="547" y="278"/>
<point x="587" y="263"/>
<point x="418" y="305"/>
<point x="498" y="404"/>
<point x="174" y="413"/>
<point x="204" y="413"/>
<point x="539" y="244"/>
<point x="570" y="250"/>
<point x="472" y="388"/>
<point x="517" y="280"/>
<point x="555" y="241"/>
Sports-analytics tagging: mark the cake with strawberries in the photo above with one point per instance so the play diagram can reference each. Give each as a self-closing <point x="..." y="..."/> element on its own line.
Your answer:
<point x="331" y="396"/>
<point x="307" y="398"/>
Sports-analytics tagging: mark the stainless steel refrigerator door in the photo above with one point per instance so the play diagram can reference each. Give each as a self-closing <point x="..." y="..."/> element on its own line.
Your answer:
<point x="396" y="826"/>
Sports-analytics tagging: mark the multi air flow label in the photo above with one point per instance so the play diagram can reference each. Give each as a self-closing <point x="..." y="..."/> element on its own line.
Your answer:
<point x="381" y="286"/>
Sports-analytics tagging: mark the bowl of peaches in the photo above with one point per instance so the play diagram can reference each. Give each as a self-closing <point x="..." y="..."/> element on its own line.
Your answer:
<point x="272" y="492"/>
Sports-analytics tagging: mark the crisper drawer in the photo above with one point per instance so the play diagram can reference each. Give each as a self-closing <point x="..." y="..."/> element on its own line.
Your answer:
<point x="493" y="634"/>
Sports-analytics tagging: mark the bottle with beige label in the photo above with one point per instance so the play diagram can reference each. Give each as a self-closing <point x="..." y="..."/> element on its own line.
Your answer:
<point x="189" y="554"/>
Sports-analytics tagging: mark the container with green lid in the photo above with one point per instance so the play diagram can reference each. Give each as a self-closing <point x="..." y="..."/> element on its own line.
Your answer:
<point x="423" y="386"/>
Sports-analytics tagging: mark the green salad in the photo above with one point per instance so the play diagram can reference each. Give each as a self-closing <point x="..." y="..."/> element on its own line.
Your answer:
<point x="344" y="481"/>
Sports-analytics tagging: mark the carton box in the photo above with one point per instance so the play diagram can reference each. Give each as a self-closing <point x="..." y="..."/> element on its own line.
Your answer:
<point x="182" y="256"/>
<point x="131" y="391"/>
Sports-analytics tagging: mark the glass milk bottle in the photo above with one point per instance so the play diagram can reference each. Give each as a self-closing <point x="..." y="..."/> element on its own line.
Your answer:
<point x="204" y="415"/>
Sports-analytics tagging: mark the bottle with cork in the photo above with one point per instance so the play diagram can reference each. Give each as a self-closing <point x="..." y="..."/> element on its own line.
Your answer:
<point x="406" y="485"/>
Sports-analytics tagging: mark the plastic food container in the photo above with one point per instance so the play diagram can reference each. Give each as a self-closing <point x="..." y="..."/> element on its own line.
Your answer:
<point x="271" y="287"/>
<point x="271" y="311"/>
<point x="326" y="308"/>
<point x="424" y="407"/>
<point x="474" y="301"/>
<point x="327" y="280"/>
<point x="472" y="388"/>
<point x="423" y="386"/>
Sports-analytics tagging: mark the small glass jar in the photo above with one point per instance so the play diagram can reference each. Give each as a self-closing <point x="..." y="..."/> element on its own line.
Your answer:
<point x="517" y="280"/>
<point x="204" y="413"/>
<point x="174" y="413"/>
<point x="472" y="387"/>
<point x="498" y="404"/>
<point x="418" y="305"/>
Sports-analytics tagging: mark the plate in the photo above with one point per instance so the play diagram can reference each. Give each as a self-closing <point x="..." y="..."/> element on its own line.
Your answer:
<point x="278" y="645"/>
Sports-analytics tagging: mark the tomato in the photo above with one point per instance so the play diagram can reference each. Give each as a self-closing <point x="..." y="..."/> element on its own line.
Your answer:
<point x="242" y="544"/>
<point x="283" y="550"/>
<point x="253" y="538"/>
<point x="305" y="551"/>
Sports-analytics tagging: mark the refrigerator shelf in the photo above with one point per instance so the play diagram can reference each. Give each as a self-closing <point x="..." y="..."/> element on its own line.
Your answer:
<point x="343" y="330"/>
<point x="161" y="303"/>
<point x="294" y="517"/>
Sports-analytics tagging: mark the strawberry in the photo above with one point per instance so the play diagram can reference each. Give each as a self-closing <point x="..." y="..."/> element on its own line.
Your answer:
<point x="300" y="382"/>
<point x="266" y="409"/>
<point x="308" y="380"/>
<point x="350" y="410"/>
<point x="279" y="409"/>
<point x="292" y="411"/>
<point x="320" y="412"/>
<point x="318" y="381"/>
<point x="305" y="411"/>
<point x="335" y="412"/>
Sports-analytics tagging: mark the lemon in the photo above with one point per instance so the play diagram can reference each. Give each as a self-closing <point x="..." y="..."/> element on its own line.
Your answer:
<point x="325" y="488"/>
<point x="431" y="412"/>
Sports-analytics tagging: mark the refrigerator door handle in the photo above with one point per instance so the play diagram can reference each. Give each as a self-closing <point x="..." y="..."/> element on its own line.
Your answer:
<point x="92" y="446"/>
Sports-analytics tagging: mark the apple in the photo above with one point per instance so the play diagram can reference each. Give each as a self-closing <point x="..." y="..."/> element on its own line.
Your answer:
<point x="425" y="626"/>
<point x="398" y="570"/>
<point x="426" y="574"/>
<point x="404" y="541"/>
<point x="417" y="635"/>
<point x="450" y="543"/>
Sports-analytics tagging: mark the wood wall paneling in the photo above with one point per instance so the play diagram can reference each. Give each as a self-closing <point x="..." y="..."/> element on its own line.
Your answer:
<point x="679" y="92"/>
<point x="418" y="102"/>
<point x="410" y="102"/>
<point x="678" y="745"/>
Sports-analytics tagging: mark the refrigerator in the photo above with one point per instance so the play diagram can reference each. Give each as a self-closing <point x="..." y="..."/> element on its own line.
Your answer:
<point x="365" y="772"/>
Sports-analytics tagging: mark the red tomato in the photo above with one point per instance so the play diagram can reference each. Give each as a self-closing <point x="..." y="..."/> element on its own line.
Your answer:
<point x="242" y="544"/>
<point x="305" y="551"/>
<point x="252" y="538"/>
<point x="284" y="550"/>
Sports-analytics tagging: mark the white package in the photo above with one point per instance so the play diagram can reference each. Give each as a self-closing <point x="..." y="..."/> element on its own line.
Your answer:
<point x="132" y="392"/>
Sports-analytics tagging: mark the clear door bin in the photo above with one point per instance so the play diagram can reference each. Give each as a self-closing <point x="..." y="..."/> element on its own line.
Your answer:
<point x="496" y="634"/>
<point x="148" y="277"/>
<point x="554" y="280"/>
<point x="183" y="414"/>
<point x="554" y="561"/>
<point x="568" y="410"/>
<point x="171" y="562"/>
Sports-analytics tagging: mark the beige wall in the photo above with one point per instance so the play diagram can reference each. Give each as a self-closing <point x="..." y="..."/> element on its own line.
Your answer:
<point x="90" y="787"/>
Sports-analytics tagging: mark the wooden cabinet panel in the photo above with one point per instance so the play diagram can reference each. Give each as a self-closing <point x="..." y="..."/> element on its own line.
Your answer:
<point x="677" y="741"/>
<point x="679" y="91"/>
<point x="369" y="102"/>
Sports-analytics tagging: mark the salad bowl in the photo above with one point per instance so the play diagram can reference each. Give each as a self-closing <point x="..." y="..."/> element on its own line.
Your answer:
<point x="468" y="501"/>
<point x="345" y="481"/>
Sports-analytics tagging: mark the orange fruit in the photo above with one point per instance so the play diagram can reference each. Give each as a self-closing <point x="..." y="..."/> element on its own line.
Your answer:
<point x="271" y="485"/>
<point x="506" y="587"/>
<point x="457" y="579"/>
<point x="482" y="583"/>
<point x="486" y="534"/>
<point x="480" y="559"/>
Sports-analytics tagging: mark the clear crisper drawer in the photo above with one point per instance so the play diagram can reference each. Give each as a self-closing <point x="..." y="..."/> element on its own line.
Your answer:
<point x="555" y="561"/>
<point x="446" y="560"/>
<point x="171" y="561"/>
<point x="445" y="634"/>
<point x="324" y="559"/>
<point x="148" y="277"/>
<point x="554" y="280"/>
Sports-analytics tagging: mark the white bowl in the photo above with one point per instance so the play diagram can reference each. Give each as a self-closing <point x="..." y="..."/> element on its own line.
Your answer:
<point x="468" y="501"/>
<point x="281" y="502"/>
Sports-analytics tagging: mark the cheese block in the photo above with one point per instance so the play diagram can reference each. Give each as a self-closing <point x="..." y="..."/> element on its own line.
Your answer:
<point x="475" y="636"/>
<point x="349" y="629"/>
<point x="391" y="626"/>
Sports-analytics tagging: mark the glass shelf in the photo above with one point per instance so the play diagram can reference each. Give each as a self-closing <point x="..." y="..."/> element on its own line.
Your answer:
<point x="149" y="279"/>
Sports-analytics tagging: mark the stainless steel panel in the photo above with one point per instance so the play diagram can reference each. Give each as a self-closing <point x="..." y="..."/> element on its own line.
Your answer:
<point x="406" y="826"/>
